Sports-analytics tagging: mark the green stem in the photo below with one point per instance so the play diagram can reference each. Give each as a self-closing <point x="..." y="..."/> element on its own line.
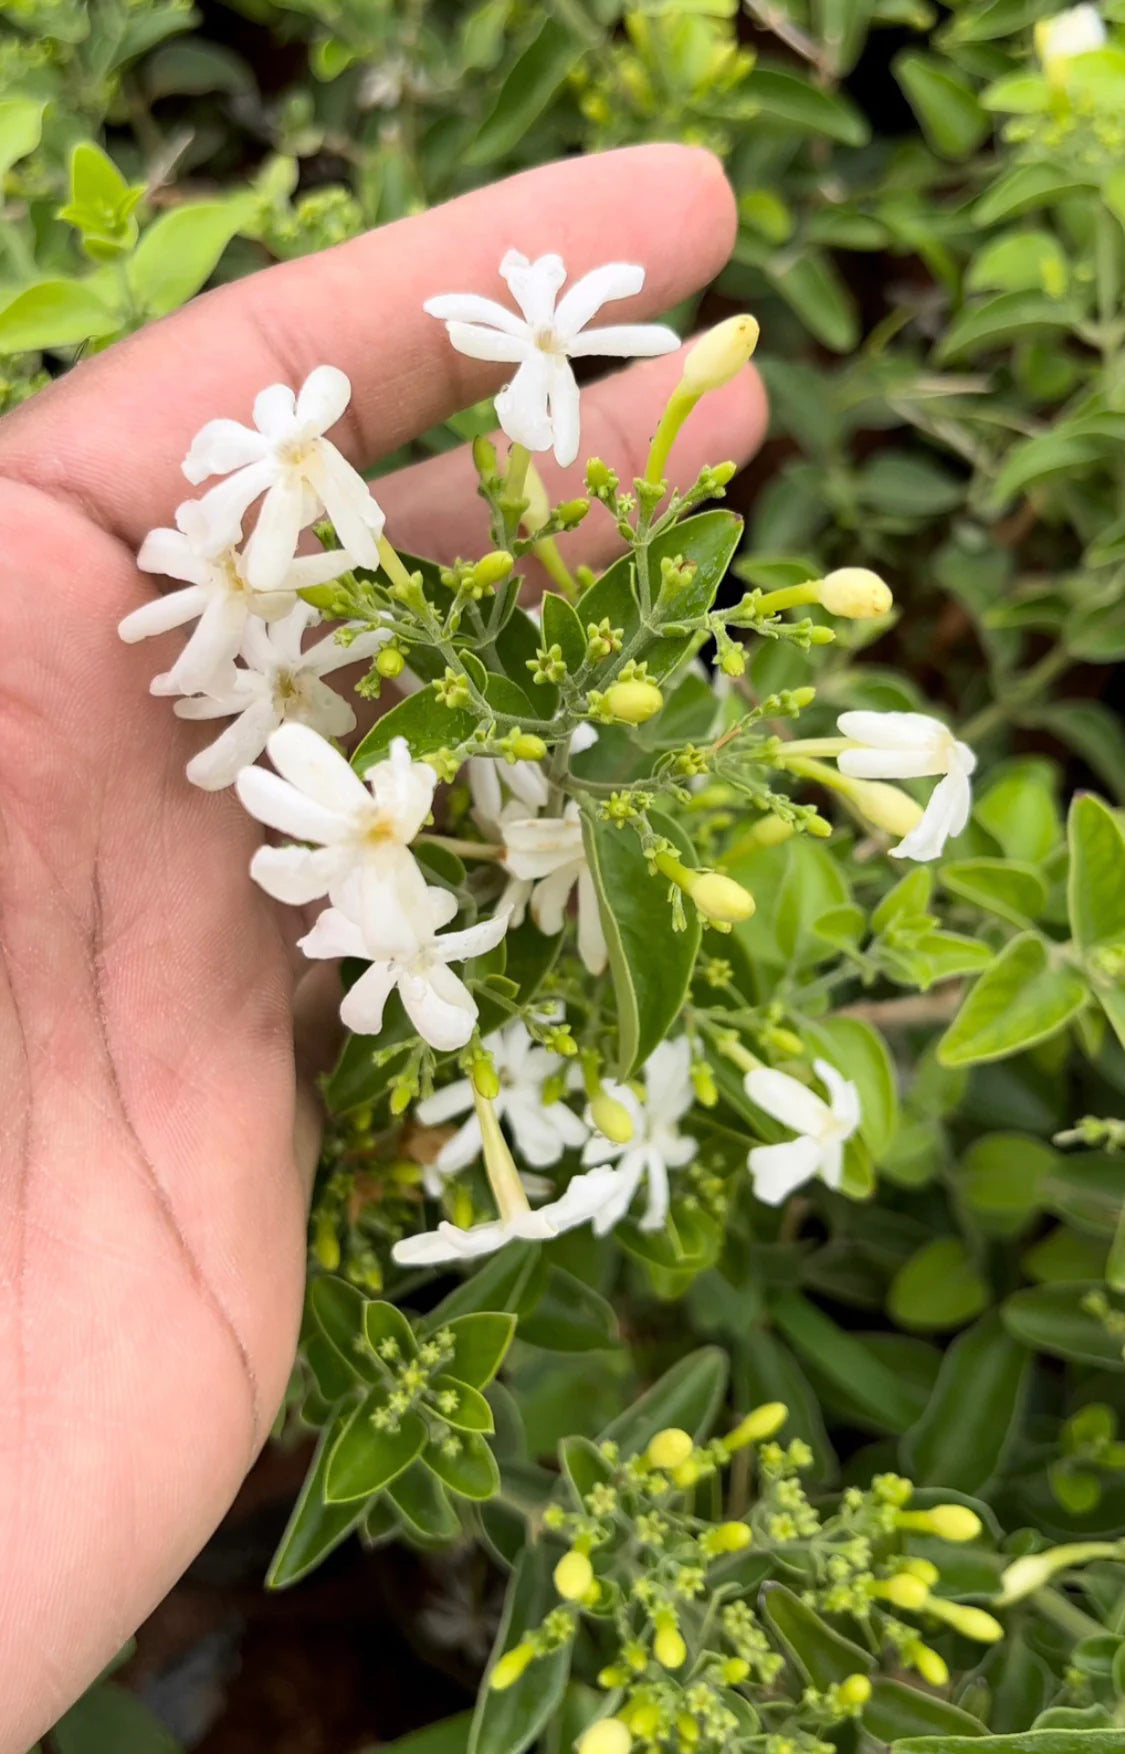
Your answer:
<point x="1010" y="705"/>
<point x="679" y="406"/>
<point x="1053" y="1605"/>
<point x="546" y="552"/>
<point x="464" y="849"/>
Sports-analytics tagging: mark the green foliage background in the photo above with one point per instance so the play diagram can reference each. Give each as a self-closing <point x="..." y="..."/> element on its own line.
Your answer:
<point x="933" y="237"/>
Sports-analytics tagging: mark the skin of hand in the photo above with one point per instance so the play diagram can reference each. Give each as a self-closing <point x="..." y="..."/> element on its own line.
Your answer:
<point x="157" y="1135"/>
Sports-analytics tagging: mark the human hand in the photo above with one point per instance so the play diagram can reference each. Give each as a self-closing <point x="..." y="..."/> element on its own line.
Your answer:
<point x="157" y="1140"/>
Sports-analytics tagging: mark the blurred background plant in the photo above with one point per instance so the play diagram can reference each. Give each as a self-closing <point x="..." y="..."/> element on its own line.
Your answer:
<point x="932" y="233"/>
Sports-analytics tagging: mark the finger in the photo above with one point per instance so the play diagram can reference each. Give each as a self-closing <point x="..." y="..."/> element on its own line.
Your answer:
<point x="113" y="433"/>
<point x="433" y="508"/>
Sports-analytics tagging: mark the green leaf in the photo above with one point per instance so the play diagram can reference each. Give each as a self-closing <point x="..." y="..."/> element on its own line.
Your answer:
<point x="468" y="1411"/>
<point x="689" y="1396"/>
<point x="1096" y="881"/>
<point x="470" y="1470"/>
<point x="709" y="540"/>
<point x="897" y="1710"/>
<point x="55" y="313"/>
<point x="1088" y="1190"/>
<point x="1015" y="892"/>
<point x="999" y="321"/>
<point x="315" y="1527"/>
<point x="823" y="1656"/>
<point x="1020" y="261"/>
<point x="938" y="1287"/>
<point x="110" y="1717"/>
<point x="810" y="283"/>
<point x="1094" y="732"/>
<point x="1050" y="1318"/>
<point x="1028" y="1742"/>
<point x="803" y="107"/>
<point x="944" y="102"/>
<point x="364" y="1459"/>
<point x="450" y="1736"/>
<point x="1020" y="810"/>
<point x="1001" y="1179"/>
<point x="337" y="1309"/>
<point x="508" y="1282"/>
<point x="479" y="1344"/>
<point x="570" y="1317"/>
<point x="962" y="1436"/>
<point x="562" y="628"/>
<point x="530" y="84"/>
<point x="181" y="250"/>
<point x="1024" y="998"/>
<point x="421" y="719"/>
<point x="384" y="1325"/>
<point x="650" y="962"/>
<point x="844" y="1359"/>
<point x="421" y="1500"/>
<point x="21" y="125"/>
<point x="1027" y="188"/>
<point x="509" y="1721"/>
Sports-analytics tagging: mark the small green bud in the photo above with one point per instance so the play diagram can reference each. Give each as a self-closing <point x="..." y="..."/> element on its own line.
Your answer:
<point x="902" y="1590"/>
<point x="526" y="746"/>
<point x="970" y="1622"/>
<point x="703" y="1083"/>
<point x="484" y="456"/>
<point x="573" y="1577"/>
<point x="733" y="661"/>
<point x="491" y="570"/>
<point x="720" y="898"/>
<point x="389" y="662"/>
<point x="611" y="1118"/>
<point x="757" y="1426"/>
<point x="510" y="1667"/>
<point x="854" y="1691"/>
<point x="719" y="355"/>
<point x="668" y="1646"/>
<point x="600" y="479"/>
<point x="326" y="1243"/>
<point x="884" y="806"/>
<point x="571" y="512"/>
<point x="633" y="703"/>
<point x="486" y="1081"/>
<point x="950" y="1522"/>
<point x="669" y="1448"/>
<point x="928" y="1663"/>
<point x="732" y="1537"/>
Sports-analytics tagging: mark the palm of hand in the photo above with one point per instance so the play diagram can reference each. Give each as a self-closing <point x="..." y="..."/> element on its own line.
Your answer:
<point x="155" y="1140"/>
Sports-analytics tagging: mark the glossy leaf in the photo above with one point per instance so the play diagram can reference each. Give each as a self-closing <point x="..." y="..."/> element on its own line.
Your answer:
<point x="388" y="1332"/>
<point x="562" y="627"/>
<point x="56" y="313"/>
<point x="844" y="1358"/>
<point x="315" y="1527"/>
<point x="1028" y="994"/>
<point x="468" y="1466"/>
<point x="939" y="1287"/>
<point x="462" y="1407"/>
<point x="650" y="962"/>
<point x="1096" y="882"/>
<point x="944" y="102"/>
<point x="897" y="1710"/>
<point x="1015" y="892"/>
<point x="422" y="1502"/>
<point x="824" y="1657"/>
<point x="363" y="1458"/>
<point x="479" y="1344"/>
<point x="21" y="124"/>
<point x="421" y="719"/>
<point x="963" y="1435"/>
<point x="337" y="1308"/>
<point x="689" y="1395"/>
<point x="509" y="1721"/>
<point x="1027" y="1742"/>
<point x="1050" y="1318"/>
<point x="179" y="252"/>
<point x="570" y="1317"/>
<point x="528" y="88"/>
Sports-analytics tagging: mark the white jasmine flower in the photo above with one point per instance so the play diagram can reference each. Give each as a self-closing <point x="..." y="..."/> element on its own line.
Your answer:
<point x="286" y="457"/>
<point x="541" y="1131"/>
<point x="548" y="852"/>
<point x="657" y="1145"/>
<point x="361" y="834"/>
<point x="492" y="813"/>
<point x="900" y="746"/>
<point x="280" y="683"/>
<point x="582" y="1200"/>
<point x="822" y="1129"/>
<point x="218" y="595"/>
<point x="1077" y="31"/>
<point x="539" y="408"/>
<point x="437" y="1001"/>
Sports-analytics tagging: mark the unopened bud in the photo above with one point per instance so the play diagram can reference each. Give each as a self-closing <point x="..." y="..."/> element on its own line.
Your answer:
<point x="902" y="1590"/>
<point x="389" y="662"/>
<point x="669" y="1448"/>
<point x="929" y="1664"/>
<point x="950" y="1522"/>
<point x="970" y="1622"/>
<point x="763" y="1422"/>
<point x="721" y="898"/>
<point x="484" y="455"/>
<point x="734" y="1670"/>
<point x="526" y="746"/>
<point x="491" y="570"/>
<point x="733" y="661"/>
<point x="572" y="512"/>
<point x="668" y="1647"/>
<point x="486" y="1081"/>
<point x="686" y="1474"/>
<point x="854" y="1691"/>
<point x="611" y="1118"/>
<point x="884" y="806"/>
<point x="326" y="1243"/>
<point x="720" y="355"/>
<point x="644" y="1719"/>
<point x="732" y="1537"/>
<point x="573" y="1576"/>
<point x="923" y="1568"/>
<point x="703" y="1083"/>
<point x="614" y="1676"/>
<point x="510" y="1667"/>
<point x="856" y="593"/>
<point x="610" y="1736"/>
<point x="633" y="703"/>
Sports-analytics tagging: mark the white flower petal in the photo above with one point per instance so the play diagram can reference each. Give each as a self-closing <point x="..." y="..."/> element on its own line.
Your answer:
<point x="317" y="569"/>
<point x="534" y="285"/>
<point x="362" y="1007"/>
<point x="403" y="789"/>
<point x="618" y="1193"/>
<point x="440" y="1006"/>
<point x="470" y="307"/>
<point x="294" y="875"/>
<point x="843" y="1096"/>
<point x="219" y="447"/>
<point x="329" y="654"/>
<point x="385" y="893"/>
<point x="240" y="744"/>
<point x="537" y="845"/>
<point x="323" y="397"/>
<point x="484" y="788"/>
<point x="455" y="1099"/>
<point x="786" y="1100"/>
<point x="356" y="515"/>
<point x="945" y="815"/>
<point x="564" y="401"/>
<point x="275" y="410"/>
<point x="312" y="765"/>
<point x="220" y="512"/>
<point x="473" y="941"/>
<point x="211" y="648"/>
<point x="273" y="540"/>
<point x="592" y="947"/>
<point x="163" y="614"/>
<point x="656" y="1171"/>
<point x="332" y="936"/>
<point x="830" y="1169"/>
<point x="464" y="1148"/>
<point x="271" y="800"/>
<point x="625" y="341"/>
<point x="430" y="1248"/>
<point x="521" y="406"/>
<point x="172" y="553"/>
<point x="476" y="342"/>
<point x="587" y="296"/>
<point x="321" y="708"/>
<point x="892" y="730"/>
<point x="778" y="1169"/>
<point x="550" y="897"/>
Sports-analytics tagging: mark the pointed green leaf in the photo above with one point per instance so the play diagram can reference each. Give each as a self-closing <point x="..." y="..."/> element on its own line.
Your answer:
<point x="824" y="1657"/>
<point x="21" y="124"/>
<point x="970" y="1418"/>
<point x="314" y="1527"/>
<point x="562" y="628"/>
<point x="421" y="1500"/>
<point x="462" y="1407"/>
<point x="897" y="1710"/>
<point x="465" y="1464"/>
<point x="181" y="250"/>
<point x="944" y="102"/>
<point x="337" y="1309"/>
<point x="479" y="1344"/>
<point x="1026" y="996"/>
<point x="55" y="313"/>
<point x="1096" y="882"/>
<point x="939" y="1287"/>
<point x="363" y="1458"/>
<point x="421" y="719"/>
<point x="388" y="1332"/>
<point x="689" y="1395"/>
<point x="1015" y="892"/>
<point x="1052" y="1318"/>
<point x="509" y="1721"/>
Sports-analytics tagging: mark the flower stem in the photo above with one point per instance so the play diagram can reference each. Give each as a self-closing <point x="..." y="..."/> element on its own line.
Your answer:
<point x="503" y="1176"/>
<point x="465" y="849"/>
<point x="515" y="477"/>
<point x="546" y="552"/>
<point x="392" y="564"/>
<point x="679" y="405"/>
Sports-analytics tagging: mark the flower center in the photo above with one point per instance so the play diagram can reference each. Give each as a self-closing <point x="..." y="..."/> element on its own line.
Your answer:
<point x="295" y="451"/>
<point x="547" y="340"/>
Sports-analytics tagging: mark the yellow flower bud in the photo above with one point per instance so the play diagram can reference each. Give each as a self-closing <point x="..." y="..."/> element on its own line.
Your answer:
<point x="389" y="662"/>
<point x="668" y="1646"/>
<point x="633" y="702"/>
<point x="884" y="806"/>
<point x="923" y="1568"/>
<point x="528" y="747"/>
<point x="614" y="1676"/>
<point x="970" y="1622"/>
<point x="573" y="1577"/>
<point x="669" y="1448"/>
<point x="854" y="1691"/>
<point x="1034" y="1570"/>
<point x="486" y="1081"/>
<point x="689" y="1731"/>
<point x="950" y="1522"/>
<point x="611" y="1118"/>
<point x="492" y="569"/>
<point x="733" y="1537"/>
<point x="719" y="355"/>
<point x="734" y="1670"/>
<point x="854" y="592"/>
<point x="609" y="1736"/>
<point x="326" y="1243"/>
<point x="644" y="1719"/>
<point x="902" y="1590"/>
<point x="763" y="1422"/>
<point x="929" y="1664"/>
<point x="703" y="1083"/>
<point x="721" y="898"/>
<point x="510" y="1667"/>
<point x="686" y="1474"/>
